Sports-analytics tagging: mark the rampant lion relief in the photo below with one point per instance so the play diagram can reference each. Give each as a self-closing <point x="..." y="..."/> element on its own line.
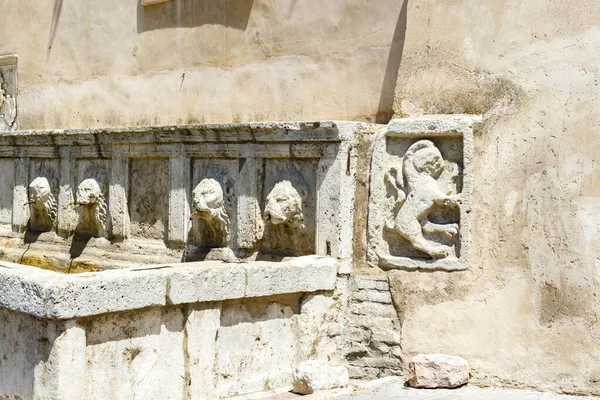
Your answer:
<point x="210" y="219"/>
<point x="423" y="193"/>
<point x="420" y="194"/>
<point x="92" y="208"/>
<point x="43" y="207"/>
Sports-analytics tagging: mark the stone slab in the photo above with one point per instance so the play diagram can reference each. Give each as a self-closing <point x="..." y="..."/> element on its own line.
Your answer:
<point x="206" y="281"/>
<point x="302" y="274"/>
<point x="48" y="294"/>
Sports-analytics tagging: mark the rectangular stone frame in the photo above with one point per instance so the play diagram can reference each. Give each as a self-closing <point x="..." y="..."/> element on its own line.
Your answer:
<point x="427" y="126"/>
<point x="330" y="144"/>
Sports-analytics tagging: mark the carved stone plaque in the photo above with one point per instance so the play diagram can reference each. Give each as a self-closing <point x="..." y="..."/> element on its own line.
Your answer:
<point x="8" y="93"/>
<point x="421" y="185"/>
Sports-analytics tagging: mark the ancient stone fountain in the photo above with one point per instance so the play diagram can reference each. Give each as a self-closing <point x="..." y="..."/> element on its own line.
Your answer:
<point x="205" y="261"/>
<point x="211" y="260"/>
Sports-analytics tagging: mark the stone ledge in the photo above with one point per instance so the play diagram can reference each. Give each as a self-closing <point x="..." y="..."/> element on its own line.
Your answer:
<point x="47" y="294"/>
<point x="258" y="132"/>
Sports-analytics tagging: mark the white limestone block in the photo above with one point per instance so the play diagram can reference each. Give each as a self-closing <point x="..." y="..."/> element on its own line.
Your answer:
<point x="311" y="376"/>
<point x="302" y="274"/>
<point x="206" y="281"/>
<point x="437" y="371"/>
<point x="47" y="294"/>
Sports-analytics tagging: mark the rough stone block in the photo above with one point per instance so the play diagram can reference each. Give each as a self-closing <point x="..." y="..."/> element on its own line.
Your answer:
<point x="48" y="294"/>
<point x="437" y="371"/>
<point x="377" y="362"/>
<point x="372" y="284"/>
<point x="311" y="376"/>
<point x="303" y="274"/>
<point x="373" y="309"/>
<point x="374" y="296"/>
<point x="199" y="282"/>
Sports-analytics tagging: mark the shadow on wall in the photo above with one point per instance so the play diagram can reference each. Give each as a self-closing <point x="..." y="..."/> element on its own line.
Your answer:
<point x="192" y="13"/>
<point x="385" y="111"/>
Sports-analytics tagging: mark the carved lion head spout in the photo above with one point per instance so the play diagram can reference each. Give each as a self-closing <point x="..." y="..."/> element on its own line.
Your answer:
<point x="209" y="206"/>
<point x="208" y="199"/>
<point x="284" y="204"/>
<point x="42" y="203"/>
<point x="90" y="196"/>
<point x="88" y="192"/>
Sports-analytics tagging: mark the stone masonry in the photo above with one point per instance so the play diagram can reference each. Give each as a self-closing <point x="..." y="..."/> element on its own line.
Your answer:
<point x="373" y="331"/>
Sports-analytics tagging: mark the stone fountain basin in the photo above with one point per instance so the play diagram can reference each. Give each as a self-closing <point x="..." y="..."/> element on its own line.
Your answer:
<point x="53" y="295"/>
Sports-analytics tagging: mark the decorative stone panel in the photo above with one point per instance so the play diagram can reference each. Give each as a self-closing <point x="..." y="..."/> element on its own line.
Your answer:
<point x="421" y="184"/>
<point x="110" y="197"/>
<point x="8" y="93"/>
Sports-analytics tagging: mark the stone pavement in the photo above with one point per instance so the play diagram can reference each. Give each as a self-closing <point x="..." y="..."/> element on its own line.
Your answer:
<point x="394" y="389"/>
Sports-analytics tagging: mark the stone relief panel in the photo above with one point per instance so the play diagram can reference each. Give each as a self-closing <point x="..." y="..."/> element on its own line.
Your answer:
<point x="91" y="197"/>
<point x="7" y="180"/>
<point x="420" y="196"/>
<point x="250" y="191"/>
<point x="149" y="198"/>
<point x="289" y="207"/>
<point x="8" y="93"/>
<point x="42" y="194"/>
<point x="214" y="204"/>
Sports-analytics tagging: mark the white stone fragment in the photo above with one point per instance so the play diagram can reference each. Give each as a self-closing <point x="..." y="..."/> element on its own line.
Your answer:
<point x="437" y="371"/>
<point x="311" y="376"/>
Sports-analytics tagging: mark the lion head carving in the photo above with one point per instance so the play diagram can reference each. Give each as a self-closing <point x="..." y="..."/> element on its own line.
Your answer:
<point x="209" y="205"/>
<point x="41" y="198"/>
<point x="284" y="204"/>
<point x="90" y="195"/>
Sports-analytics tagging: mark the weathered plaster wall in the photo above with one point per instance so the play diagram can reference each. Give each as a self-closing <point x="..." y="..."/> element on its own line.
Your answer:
<point x="526" y="313"/>
<point x="116" y="62"/>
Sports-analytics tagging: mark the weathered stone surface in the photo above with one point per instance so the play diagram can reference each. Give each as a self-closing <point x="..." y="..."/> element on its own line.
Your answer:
<point x="63" y="374"/>
<point x="302" y="274"/>
<point x="421" y="184"/>
<point x="375" y="282"/>
<point x="201" y="329"/>
<point x="311" y="376"/>
<point x="52" y="295"/>
<point x="206" y="281"/>
<point x="374" y="296"/>
<point x="437" y="371"/>
<point x="144" y="348"/>
<point x="257" y="345"/>
<point x="48" y="294"/>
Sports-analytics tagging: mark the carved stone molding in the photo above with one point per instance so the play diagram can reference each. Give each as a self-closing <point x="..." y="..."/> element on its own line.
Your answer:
<point x="421" y="184"/>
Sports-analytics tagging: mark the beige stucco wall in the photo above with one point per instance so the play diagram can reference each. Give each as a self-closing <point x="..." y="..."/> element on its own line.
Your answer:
<point x="527" y="313"/>
<point x="116" y="62"/>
